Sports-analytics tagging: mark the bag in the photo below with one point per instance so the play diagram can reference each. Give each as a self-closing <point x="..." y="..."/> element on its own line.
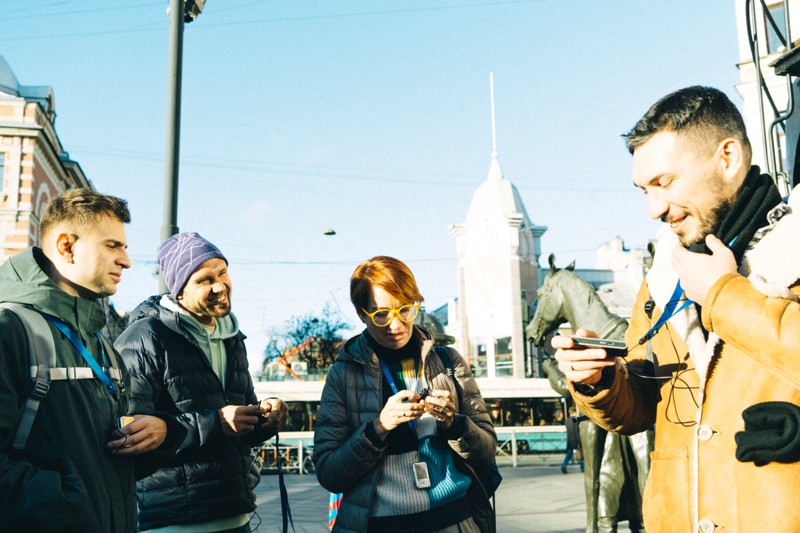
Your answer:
<point x="334" y="502"/>
<point x="486" y="478"/>
<point x="483" y="512"/>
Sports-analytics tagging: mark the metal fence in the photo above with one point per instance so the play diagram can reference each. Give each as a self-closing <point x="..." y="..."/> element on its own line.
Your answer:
<point x="294" y="449"/>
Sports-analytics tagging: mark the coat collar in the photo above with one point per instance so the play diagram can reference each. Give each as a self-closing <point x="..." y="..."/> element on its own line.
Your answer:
<point x="358" y="350"/>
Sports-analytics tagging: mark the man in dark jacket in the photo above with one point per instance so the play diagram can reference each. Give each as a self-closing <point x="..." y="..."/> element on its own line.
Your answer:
<point x="187" y="357"/>
<point x="75" y="470"/>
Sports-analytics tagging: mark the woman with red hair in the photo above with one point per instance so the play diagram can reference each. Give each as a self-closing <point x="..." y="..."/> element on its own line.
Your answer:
<point x="397" y="432"/>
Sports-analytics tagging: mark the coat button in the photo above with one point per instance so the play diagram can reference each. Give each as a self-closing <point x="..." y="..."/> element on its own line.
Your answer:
<point x="705" y="432"/>
<point x="706" y="525"/>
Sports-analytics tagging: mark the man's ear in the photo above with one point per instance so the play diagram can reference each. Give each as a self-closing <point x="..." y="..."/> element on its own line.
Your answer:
<point x="65" y="246"/>
<point x="731" y="158"/>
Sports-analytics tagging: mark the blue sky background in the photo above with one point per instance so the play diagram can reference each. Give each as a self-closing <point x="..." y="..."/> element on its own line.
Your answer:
<point x="371" y="118"/>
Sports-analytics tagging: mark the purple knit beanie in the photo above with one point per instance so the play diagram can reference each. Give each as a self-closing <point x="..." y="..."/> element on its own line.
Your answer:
<point x="180" y="255"/>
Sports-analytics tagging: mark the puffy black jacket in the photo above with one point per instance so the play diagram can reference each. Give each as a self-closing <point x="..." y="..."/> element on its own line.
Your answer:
<point x="210" y="475"/>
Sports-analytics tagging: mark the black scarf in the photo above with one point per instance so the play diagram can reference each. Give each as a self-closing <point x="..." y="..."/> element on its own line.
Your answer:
<point x="757" y="196"/>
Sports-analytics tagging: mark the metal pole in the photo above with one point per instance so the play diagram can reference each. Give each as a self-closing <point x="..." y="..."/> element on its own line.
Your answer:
<point x="171" y="160"/>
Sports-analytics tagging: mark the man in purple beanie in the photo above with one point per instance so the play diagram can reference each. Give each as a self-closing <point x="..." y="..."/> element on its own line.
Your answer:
<point x="187" y="357"/>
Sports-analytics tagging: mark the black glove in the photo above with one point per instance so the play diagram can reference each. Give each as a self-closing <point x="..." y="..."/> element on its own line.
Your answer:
<point x="771" y="434"/>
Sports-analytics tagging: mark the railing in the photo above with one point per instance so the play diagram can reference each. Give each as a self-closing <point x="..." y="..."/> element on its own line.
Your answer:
<point x="514" y="441"/>
<point x="293" y="452"/>
<point x="773" y="114"/>
<point x="295" y="448"/>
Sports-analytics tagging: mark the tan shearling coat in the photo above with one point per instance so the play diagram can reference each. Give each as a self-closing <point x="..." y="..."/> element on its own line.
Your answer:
<point x="701" y="387"/>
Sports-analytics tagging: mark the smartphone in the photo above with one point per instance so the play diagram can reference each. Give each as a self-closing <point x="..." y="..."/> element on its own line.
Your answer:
<point x="124" y="421"/>
<point x="612" y="347"/>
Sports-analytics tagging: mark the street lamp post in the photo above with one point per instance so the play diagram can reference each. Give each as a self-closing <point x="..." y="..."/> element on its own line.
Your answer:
<point x="180" y="11"/>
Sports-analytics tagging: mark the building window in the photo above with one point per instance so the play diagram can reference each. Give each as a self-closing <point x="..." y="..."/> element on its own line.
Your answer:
<point x="503" y="357"/>
<point x="478" y="362"/>
<point x="775" y="40"/>
<point x="2" y="170"/>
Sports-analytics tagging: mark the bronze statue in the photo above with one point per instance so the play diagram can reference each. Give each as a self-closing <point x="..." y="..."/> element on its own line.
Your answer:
<point x="616" y="467"/>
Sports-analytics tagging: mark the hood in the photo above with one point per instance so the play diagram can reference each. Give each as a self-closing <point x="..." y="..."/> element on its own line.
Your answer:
<point x="148" y="308"/>
<point x="163" y="307"/>
<point x="226" y="326"/>
<point x="23" y="281"/>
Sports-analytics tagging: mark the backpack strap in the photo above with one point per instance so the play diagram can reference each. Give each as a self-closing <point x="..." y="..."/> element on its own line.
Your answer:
<point x="43" y="370"/>
<point x="444" y="354"/>
<point x="42" y="358"/>
<point x="114" y="369"/>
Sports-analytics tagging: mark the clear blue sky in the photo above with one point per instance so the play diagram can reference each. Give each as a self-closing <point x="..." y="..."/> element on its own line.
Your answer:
<point x="368" y="117"/>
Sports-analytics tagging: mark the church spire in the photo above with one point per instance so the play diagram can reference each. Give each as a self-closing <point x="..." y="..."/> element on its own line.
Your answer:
<point x="495" y="173"/>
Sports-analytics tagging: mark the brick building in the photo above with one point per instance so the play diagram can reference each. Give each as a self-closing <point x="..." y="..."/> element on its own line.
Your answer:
<point x="34" y="166"/>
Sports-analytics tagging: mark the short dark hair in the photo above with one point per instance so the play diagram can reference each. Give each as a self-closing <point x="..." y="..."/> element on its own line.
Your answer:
<point x="82" y="207"/>
<point x="704" y="115"/>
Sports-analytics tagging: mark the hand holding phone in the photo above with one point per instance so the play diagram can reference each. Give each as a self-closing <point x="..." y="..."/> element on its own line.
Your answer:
<point x="614" y="348"/>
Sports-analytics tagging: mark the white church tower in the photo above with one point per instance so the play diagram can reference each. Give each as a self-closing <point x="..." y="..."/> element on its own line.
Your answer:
<point x="498" y="252"/>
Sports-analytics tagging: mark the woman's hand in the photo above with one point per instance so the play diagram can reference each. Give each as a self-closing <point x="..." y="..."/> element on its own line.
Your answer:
<point x="441" y="406"/>
<point x="400" y="408"/>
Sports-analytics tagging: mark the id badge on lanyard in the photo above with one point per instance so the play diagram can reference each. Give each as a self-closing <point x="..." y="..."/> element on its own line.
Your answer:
<point x="421" y="477"/>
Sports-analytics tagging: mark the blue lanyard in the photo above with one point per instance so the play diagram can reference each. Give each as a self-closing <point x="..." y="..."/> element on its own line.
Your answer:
<point x="393" y="385"/>
<point x="669" y="310"/>
<point x="81" y="348"/>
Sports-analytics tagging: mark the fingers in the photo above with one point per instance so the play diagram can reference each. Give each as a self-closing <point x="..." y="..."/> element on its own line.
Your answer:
<point x="699" y="272"/>
<point x="441" y="406"/>
<point x="565" y="341"/>
<point x="714" y="244"/>
<point x="406" y="406"/>
<point x="144" y="434"/>
<point x="239" y="419"/>
<point x="584" y="365"/>
<point x="273" y="412"/>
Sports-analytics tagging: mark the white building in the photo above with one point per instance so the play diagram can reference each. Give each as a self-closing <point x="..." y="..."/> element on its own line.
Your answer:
<point x="498" y="251"/>
<point x="769" y="144"/>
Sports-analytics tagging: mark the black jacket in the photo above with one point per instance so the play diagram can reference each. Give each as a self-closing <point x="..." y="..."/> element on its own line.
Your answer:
<point x="65" y="479"/>
<point x="210" y="475"/>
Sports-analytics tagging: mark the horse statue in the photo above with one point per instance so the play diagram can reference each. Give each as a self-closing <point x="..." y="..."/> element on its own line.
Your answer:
<point x="616" y="467"/>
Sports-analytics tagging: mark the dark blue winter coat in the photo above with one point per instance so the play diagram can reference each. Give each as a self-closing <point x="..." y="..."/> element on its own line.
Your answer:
<point x="211" y="475"/>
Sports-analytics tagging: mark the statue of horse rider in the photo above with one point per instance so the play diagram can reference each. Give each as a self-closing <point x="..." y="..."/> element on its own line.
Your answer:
<point x="616" y="467"/>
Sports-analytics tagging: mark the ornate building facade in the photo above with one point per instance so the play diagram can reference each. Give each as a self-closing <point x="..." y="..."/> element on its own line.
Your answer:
<point x="34" y="166"/>
<point x="498" y="251"/>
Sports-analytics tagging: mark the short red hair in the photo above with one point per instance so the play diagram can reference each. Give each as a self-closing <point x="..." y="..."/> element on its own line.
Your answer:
<point x="388" y="273"/>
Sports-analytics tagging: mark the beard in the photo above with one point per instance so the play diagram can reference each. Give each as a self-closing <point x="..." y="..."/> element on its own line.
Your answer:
<point x="708" y="223"/>
<point x="215" y="310"/>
